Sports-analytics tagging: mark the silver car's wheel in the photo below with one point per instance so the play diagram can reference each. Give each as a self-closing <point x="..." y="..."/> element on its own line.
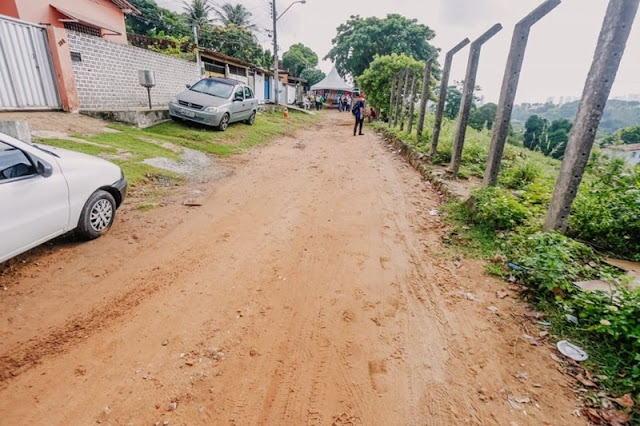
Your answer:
<point x="251" y="119"/>
<point x="101" y="215"/>
<point x="224" y="123"/>
<point x="97" y="215"/>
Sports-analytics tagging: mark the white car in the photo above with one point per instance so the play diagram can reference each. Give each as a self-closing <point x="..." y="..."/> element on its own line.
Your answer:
<point x="46" y="192"/>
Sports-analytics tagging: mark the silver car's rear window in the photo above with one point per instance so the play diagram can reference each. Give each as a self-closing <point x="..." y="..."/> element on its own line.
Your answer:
<point x="213" y="88"/>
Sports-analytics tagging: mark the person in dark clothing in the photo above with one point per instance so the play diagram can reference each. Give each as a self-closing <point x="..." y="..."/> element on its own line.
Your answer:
<point x="359" y="111"/>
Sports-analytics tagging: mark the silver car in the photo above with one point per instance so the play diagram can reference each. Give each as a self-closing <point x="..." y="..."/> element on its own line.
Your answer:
<point x="215" y="102"/>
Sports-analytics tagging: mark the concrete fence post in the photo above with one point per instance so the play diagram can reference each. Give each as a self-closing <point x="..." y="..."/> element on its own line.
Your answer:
<point x="609" y="50"/>
<point x="442" y="96"/>
<point x="424" y="97"/>
<point x="399" y="91"/>
<point x="403" y="100"/>
<point x="394" y="83"/>
<point x="412" y="100"/>
<point x="467" y="97"/>
<point x="510" y="87"/>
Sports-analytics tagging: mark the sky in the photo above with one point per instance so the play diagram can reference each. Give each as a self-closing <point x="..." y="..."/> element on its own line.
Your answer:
<point x="558" y="57"/>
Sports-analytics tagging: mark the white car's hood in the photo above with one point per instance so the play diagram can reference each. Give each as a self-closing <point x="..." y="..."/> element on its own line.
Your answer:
<point x="71" y="161"/>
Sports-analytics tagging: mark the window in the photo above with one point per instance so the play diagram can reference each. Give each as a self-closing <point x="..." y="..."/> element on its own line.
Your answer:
<point x="248" y="94"/>
<point x="213" y="87"/>
<point x="239" y="93"/>
<point x="213" y="66"/>
<point x="84" y="29"/>
<point x="242" y="72"/>
<point x="14" y="163"/>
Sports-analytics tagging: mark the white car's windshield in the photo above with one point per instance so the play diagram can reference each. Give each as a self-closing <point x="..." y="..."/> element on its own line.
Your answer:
<point x="213" y="88"/>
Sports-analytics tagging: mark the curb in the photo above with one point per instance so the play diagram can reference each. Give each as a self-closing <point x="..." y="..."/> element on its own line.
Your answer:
<point x="419" y="162"/>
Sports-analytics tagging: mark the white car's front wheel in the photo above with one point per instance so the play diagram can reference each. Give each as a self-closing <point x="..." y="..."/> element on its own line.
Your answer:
<point x="97" y="215"/>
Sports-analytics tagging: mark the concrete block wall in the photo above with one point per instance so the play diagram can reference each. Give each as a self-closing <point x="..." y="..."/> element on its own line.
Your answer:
<point x="107" y="75"/>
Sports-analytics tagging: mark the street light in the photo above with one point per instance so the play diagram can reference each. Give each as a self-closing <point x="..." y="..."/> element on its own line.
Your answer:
<point x="275" y="45"/>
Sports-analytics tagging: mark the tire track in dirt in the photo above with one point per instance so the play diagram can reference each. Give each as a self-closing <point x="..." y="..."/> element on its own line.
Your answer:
<point x="24" y="356"/>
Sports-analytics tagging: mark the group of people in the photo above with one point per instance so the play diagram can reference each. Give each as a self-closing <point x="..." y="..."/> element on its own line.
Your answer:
<point x="344" y="103"/>
<point x="313" y="100"/>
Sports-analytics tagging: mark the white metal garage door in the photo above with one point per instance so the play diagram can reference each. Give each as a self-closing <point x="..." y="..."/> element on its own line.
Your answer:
<point x="27" y="79"/>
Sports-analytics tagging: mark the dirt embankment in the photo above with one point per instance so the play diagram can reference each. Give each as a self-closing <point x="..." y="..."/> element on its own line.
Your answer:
<point x="309" y="288"/>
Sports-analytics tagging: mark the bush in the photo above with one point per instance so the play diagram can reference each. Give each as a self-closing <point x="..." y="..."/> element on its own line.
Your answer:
<point x="521" y="174"/>
<point x="615" y="323"/>
<point x="497" y="208"/>
<point x="549" y="262"/>
<point x="606" y="211"/>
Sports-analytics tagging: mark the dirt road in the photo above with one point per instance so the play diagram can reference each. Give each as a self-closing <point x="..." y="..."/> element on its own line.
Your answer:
<point x="311" y="287"/>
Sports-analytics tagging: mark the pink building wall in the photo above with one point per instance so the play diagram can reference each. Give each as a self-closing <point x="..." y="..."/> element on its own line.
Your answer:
<point x="41" y="12"/>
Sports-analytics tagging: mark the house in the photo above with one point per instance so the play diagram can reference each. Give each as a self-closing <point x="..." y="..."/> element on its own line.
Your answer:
<point x="39" y="47"/>
<point x="629" y="152"/>
<point x="101" y="18"/>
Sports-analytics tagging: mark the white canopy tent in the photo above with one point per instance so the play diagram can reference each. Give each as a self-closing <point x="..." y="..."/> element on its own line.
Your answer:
<point x="332" y="82"/>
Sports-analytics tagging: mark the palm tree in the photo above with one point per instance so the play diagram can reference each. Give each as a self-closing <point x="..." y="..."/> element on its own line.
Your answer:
<point x="236" y="15"/>
<point x="198" y="13"/>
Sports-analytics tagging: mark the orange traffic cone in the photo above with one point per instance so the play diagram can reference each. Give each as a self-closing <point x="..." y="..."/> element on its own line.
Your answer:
<point x="286" y="112"/>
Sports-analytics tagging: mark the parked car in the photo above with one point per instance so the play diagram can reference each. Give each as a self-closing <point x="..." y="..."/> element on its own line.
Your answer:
<point x="46" y="192"/>
<point x="215" y="102"/>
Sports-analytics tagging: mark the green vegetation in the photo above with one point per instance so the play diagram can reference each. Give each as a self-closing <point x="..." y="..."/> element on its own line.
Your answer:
<point x="129" y="147"/>
<point x="550" y="139"/>
<point x="376" y="80"/>
<point x="504" y="224"/>
<point x="628" y="135"/>
<point x="617" y="114"/>
<point x="359" y="40"/>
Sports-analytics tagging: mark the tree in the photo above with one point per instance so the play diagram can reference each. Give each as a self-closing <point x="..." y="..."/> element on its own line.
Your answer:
<point x="237" y="15"/>
<point x="535" y="128"/>
<point x="376" y="80"/>
<point x="237" y="42"/>
<point x="485" y="115"/>
<point x="312" y="75"/>
<point x="156" y="21"/>
<point x="359" y="40"/>
<point x="454" y="97"/>
<point x="298" y="58"/>
<point x="554" y="140"/>
<point x="198" y="14"/>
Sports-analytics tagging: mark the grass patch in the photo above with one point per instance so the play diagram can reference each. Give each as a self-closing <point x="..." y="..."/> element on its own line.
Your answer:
<point x="238" y="136"/>
<point x="84" y="148"/>
<point x="129" y="146"/>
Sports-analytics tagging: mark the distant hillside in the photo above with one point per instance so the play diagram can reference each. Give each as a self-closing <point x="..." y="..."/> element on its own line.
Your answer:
<point x="617" y="114"/>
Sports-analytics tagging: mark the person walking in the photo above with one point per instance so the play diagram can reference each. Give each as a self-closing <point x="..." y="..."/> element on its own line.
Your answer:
<point x="349" y="102"/>
<point x="359" y="111"/>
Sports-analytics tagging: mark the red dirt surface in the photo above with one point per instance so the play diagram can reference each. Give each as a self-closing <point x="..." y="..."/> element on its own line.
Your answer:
<point x="311" y="287"/>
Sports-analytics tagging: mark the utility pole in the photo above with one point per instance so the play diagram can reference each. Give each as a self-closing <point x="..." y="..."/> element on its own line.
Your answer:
<point x="467" y="97"/>
<point x="275" y="53"/>
<point x="510" y="87"/>
<point x="444" y="83"/>
<point x="198" y="59"/>
<point x="611" y="44"/>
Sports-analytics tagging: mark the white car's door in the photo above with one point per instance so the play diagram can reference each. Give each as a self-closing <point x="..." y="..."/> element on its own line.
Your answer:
<point x="34" y="200"/>
<point x="237" y="104"/>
